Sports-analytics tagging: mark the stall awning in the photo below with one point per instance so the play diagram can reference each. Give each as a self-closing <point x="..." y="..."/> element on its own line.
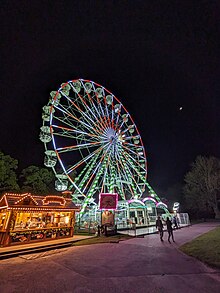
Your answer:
<point x="27" y="201"/>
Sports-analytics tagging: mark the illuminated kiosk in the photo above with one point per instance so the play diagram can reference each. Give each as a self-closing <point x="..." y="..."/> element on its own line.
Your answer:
<point x="137" y="212"/>
<point x="141" y="212"/>
<point x="26" y="218"/>
<point x="162" y="210"/>
<point x="130" y="212"/>
<point x="150" y="204"/>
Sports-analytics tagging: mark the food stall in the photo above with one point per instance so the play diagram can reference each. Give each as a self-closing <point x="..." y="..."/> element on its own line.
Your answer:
<point x="26" y="218"/>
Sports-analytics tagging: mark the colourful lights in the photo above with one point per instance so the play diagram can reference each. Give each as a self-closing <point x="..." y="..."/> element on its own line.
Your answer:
<point x="149" y="199"/>
<point x="161" y="204"/>
<point x="53" y="199"/>
<point x="135" y="201"/>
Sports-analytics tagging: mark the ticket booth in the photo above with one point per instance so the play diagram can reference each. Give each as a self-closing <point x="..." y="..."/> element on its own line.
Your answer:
<point x="26" y="218"/>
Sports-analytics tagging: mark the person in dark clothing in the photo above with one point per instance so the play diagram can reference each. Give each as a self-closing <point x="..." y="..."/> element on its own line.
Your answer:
<point x="175" y="222"/>
<point x="159" y="226"/>
<point x="169" y="229"/>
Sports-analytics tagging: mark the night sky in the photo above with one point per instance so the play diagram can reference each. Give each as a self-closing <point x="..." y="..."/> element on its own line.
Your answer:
<point x="154" y="56"/>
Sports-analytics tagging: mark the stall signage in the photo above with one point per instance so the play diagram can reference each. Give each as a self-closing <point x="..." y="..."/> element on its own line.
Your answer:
<point x="54" y="199"/>
<point x="108" y="201"/>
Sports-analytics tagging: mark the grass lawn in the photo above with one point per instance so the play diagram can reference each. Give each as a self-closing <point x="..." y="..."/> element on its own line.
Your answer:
<point x="102" y="239"/>
<point x="205" y="248"/>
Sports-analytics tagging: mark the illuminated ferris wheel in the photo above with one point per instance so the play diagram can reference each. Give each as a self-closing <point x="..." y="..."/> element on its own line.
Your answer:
<point x="92" y="143"/>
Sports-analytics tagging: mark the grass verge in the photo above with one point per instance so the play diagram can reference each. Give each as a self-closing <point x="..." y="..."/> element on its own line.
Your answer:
<point x="102" y="239"/>
<point x="206" y="248"/>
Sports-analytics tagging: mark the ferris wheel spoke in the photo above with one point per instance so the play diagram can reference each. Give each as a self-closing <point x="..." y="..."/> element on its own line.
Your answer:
<point x="105" y="175"/>
<point x="91" y="102"/>
<point x="99" y="123"/>
<point x="83" y="113"/>
<point x="96" y="118"/>
<point x="76" y="119"/>
<point x="101" y="159"/>
<point x="103" y="120"/>
<point x="98" y="171"/>
<point x="134" y="160"/>
<point x="130" y="189"/>
<point x="133" y="167"/>
<point x="125" y="130"/>
<point x="120" y="181"/>
<point x="103" y="117"/>
<point x="87" y="108"/>
<point x="124" y="173"/>
<point x="78" y="139"/>
<point x="99" y="105"/>
<point x="67" y="122"/>
<point x="134" y="183"/>
<point x="83" y="124"/>
<point x="85" y="159"/>
<point x="96" y="109"/>
<point x="65" y="129"/>
<point x="117" y="117"/>
<point x="105" y="167"/>
<point x="78" y="146"/>
<point x="135" y="146"/>
<point x="107" y="112"/>
<point x="131" y="137"/>
<point x="112" y="114"/>
<point x="139" y="155"/>
<point x="119" y="127"/>
<point x="133" y="152"/>
<point x="86" y="172"/>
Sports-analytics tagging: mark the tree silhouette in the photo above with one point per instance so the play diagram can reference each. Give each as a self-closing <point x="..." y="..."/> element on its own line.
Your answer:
<point x="8" y="176"/>
<point x="202" y="185"/>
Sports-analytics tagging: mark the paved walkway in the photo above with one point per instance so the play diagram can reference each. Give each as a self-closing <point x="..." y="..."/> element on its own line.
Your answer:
<point x="23" y="247"/>
<point x="138" y="265"/>
<point x="143" y="230"/>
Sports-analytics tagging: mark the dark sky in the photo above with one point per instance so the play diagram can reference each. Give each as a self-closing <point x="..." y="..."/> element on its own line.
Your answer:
<point x="154" y="56"/>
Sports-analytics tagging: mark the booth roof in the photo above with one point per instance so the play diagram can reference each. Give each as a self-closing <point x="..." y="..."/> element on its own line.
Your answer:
<point x="29" y="201"/>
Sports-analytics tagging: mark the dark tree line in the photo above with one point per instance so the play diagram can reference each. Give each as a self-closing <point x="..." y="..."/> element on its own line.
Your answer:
<point x="33" y="179"/>
<point x="201" y="191"/>
<point x="202" y="186"/>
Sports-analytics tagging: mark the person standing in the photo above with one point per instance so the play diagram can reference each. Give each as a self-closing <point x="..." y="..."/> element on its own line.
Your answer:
<point x="159" y="226"/>
<point x="169" y="229"/>
<point x="175" y="222"/>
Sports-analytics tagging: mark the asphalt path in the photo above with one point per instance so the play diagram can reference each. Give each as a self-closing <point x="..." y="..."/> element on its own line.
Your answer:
<point x="136" y="265"/>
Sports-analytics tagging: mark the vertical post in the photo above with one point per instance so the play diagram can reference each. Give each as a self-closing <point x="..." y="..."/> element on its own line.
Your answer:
<point x="89" y="225"/>
<point x="11" y="222"/>
<point x="101" y="218"/>
<point x="128" y="215"/>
